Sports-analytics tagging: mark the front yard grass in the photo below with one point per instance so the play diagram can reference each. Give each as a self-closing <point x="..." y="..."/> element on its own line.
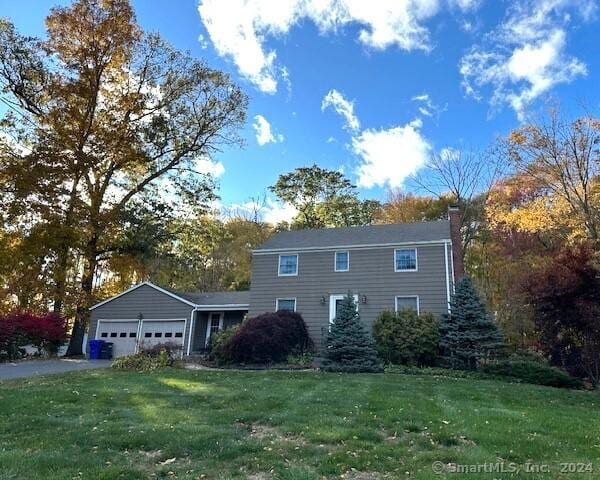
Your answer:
<point x="290" y="426"/>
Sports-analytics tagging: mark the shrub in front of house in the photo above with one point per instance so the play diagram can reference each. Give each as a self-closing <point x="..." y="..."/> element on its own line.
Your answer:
<point x="349" y="347"/>
<point x="532" y="372"/>
<point x="45" y="332"/>
<point x="267" y="338"/>
<point x="149" y="359"/>
<point x="407" y="338"/>
<point x="218" y="346"/>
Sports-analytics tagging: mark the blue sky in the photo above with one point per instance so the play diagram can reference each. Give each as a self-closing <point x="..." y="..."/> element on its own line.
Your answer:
<point x="374" y="87"/>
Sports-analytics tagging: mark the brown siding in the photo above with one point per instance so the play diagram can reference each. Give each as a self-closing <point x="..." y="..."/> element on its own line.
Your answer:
<point x="371" y="274"/>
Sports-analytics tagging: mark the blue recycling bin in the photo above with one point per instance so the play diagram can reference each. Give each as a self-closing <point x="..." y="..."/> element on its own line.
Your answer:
<point x="96" y="349"/>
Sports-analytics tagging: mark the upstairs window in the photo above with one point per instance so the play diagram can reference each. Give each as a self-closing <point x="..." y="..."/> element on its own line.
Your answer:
<point x="405" y="260"/>
<point x="288" y="265"/>
<point x="286" y="304"/>
<point x="342" y="261"/>
<point x="407" y="303"/>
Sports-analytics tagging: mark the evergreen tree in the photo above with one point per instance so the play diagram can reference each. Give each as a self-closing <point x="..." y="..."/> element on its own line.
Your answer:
<point x="349" y="347"/>
<point x="468" y="334"/>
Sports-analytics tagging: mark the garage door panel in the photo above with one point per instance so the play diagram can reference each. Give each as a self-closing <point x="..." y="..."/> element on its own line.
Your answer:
<point x="161" y="332"/>
<point x="123" y="335"/>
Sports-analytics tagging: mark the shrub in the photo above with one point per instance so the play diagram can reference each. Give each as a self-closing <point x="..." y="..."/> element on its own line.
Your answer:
<point x="219" y="344"/>
<point x="532" y="372"/>
<point x="170" y="349"/>
<point x="407" y="338"/>
<point x="267" y="338"/>
<point x="349" y="347"/>
<point x="155" y="358"/>
<point x="46" y="332"/>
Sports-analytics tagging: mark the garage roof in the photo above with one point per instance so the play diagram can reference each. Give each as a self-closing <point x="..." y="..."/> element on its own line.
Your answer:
<point x="194" y="299"/>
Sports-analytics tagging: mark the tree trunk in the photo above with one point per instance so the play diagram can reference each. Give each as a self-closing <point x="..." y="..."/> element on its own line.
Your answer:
<point x="85" y="298"/>
<point x="62" y="257"/>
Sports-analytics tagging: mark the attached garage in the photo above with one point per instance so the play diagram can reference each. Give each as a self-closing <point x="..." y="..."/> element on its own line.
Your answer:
<point x="147" y="315"/>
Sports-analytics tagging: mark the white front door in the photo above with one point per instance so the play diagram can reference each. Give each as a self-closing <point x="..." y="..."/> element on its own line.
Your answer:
<point x="213" y="325"/>
<point x="334" y="302"/>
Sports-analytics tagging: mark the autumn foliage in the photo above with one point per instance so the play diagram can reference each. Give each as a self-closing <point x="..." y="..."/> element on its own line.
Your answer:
<point x="565" y="295"/>
<point x="17" y="329"/>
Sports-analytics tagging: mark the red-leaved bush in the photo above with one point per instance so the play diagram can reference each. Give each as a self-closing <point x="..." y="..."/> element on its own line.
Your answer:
<point x="267" y="338"/>
<point x="18" y="329"/>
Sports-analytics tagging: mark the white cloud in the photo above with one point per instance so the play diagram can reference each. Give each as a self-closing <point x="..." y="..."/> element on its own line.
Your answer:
<point x="264" y="133"/>
<point x="210" y="167"/>
<point x="276" y="212"/>
<point x="528" y="56"/>
<point x="271" y="211"/>
<point x="465" y="5"/>
<point x="343" y="107"/>
<point x="427" y="107"/>
<point x="238" y="29"/>
<point x="390" y="156"/>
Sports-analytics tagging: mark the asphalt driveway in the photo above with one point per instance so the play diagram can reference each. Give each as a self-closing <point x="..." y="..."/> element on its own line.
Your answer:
<point x="33" y="368"/>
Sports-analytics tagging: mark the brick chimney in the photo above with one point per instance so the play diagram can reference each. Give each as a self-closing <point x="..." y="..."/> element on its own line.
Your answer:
<point x="455" y="236"/>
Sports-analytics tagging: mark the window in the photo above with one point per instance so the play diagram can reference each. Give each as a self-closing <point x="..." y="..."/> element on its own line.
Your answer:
<point x="342" y="261"/>
<point x="411" y="302"/>
<point x="122" y="334"/>
<point x="157" y="334"/>
<point x="113" y="334"/>
<point x="178" y="334"/>
<point x="147" y="334"/>
<point x="168" y="334"/>
<point x="288" y="265"/>
<point x="286" y="304"/>
<point x="405" y="260"/>
<point x="132" y="334"/>
<point x="104" y="334"/>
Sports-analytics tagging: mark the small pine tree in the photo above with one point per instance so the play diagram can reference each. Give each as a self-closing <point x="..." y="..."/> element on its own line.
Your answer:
<point x="468" y="334"/>
<point x="349" y="347"/>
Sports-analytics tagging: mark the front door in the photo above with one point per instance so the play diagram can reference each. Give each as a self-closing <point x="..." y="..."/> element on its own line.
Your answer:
<point x="334" y="302"/>
<point x="213" y="325"/>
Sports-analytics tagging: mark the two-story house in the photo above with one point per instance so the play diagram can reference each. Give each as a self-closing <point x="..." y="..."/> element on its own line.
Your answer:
<point x="386" y="267"/>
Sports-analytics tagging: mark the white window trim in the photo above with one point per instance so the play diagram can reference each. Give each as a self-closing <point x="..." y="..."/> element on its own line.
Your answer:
<point x="279" y="274"/>
<point x="407" y="296"/>
<point x="333" y="299"/>
<point x="407" y="269"/>
<point x="335" y="267"/>
<point x="277" y="300"/>
<point x="221" y="317"/>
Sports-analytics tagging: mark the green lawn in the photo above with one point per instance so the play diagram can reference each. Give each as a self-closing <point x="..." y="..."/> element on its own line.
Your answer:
<point x="280" y="425"/>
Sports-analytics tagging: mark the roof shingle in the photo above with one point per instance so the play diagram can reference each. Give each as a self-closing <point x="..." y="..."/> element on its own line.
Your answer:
<point x="359" y="236"/>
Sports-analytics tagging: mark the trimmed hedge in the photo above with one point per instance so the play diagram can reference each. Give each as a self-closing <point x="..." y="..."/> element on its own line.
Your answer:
<point x="533" y="372"/>
<point x="266" y="338"/>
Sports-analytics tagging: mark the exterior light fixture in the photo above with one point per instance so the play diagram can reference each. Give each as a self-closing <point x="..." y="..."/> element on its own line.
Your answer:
<point x="363" y="299"/>
<point x="323" y="300"/>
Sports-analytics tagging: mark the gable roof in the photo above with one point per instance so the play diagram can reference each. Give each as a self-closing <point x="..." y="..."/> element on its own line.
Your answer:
<point x="370" y="235"/>
<point x="193" y="299"/>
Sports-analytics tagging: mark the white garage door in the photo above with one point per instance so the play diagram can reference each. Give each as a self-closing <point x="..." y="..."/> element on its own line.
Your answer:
<point x="123" y="335"/>
<point x="156" y="332"/>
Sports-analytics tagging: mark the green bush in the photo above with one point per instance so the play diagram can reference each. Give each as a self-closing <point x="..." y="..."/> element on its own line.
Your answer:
<point x="300" y="360"/>
<point x="145" y="361"/>
<point x="532" y="372"/>
<point x="406" y="338"/>
<point x="219" y="342"/>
